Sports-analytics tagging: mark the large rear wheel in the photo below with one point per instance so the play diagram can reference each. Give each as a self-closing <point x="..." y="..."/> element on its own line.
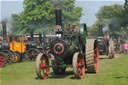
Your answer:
<point x="78" y="65"/>
<point x="92" y="56"/>
<point x="42" y="66"/>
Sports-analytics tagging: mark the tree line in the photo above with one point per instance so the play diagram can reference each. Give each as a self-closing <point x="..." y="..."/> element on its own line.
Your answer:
<point x="114" y="19"/>
<point x="39" y="15"/>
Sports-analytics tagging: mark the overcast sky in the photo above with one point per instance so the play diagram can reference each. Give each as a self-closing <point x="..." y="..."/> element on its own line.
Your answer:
<point x="90" y="7"/>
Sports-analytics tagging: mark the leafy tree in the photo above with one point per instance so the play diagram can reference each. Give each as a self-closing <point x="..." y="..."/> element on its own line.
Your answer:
<point x="15" y="23"/>
<point x="126" y="4"/>
<point x="70" y="12"/>
<point x="109" y="17"/>
<point x="114" y="18"/>
<point x="107" y="12"/>
<point x="40" y="14"/>
<point x="94" y="29"/>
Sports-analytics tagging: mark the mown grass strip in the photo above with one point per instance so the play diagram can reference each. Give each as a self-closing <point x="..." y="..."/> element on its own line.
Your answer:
<point x="112" y="72"/>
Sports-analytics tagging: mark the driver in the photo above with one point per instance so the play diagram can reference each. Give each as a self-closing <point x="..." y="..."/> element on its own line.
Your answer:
<point x="75" y="28"/>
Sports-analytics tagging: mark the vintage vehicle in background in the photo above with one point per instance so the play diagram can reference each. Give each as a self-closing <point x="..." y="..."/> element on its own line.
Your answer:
<point x="31" y="46"/>
<point x="2" y="58"/>
<point x="105" y="44"/>
<point x="34" y="44"/>
<point x="118" y="42"/>
<point x="18" y="46"/>
<point x="7" y="56"/>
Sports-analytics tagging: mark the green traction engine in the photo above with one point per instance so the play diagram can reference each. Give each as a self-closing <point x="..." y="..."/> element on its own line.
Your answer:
<point x="68" y="49"/>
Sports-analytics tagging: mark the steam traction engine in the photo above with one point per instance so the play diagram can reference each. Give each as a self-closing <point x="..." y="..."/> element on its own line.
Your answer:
<point x="105" y="44"/>
<point x="2" y="59"/>
<point x="6" y="56"/>
<point x="68" y="49"/>
<point x="35" y="44"/>
<point x="32" y="50"/>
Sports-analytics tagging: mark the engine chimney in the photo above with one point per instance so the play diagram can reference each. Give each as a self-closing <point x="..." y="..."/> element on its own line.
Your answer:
<point x="44" y="37"/>
<point x="101" y="30"/>
<point x="58" y="13"/>
<point x="4" y="30"/>
<point x="32" y="37"/>
<point x="40" y="38"/>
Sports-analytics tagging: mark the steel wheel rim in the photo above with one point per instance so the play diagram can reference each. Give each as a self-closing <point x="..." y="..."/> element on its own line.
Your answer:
<point x="9" y="57"/>
<point x="80" y="69"/>
<point x="2" y="61"/>
<point x="32" y="53"/>
<point x="96" y="59"/>
<point x="44" y="70"/>
<point x="16" y="58"/>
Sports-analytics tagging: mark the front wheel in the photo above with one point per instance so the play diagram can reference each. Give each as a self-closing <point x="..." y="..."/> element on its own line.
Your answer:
<point x="78" y="65"/>
<point x="42" y="66"/>
<point x="2" y="59"/>
<point x="17" y="57"/>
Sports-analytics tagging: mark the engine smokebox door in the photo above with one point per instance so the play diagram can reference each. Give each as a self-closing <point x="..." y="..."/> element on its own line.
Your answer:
<point x="58" y="48"/>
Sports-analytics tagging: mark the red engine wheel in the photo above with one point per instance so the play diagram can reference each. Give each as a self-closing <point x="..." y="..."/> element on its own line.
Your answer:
<point x="96" y="59"/>
<point x="2" y="60"/>
<point x="42" y="66"/>
<point x="78" y="65"/>
<point x="92" y="56"/>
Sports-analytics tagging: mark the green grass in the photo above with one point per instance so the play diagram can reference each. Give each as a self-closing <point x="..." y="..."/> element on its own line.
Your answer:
<point x="112" y="72"/>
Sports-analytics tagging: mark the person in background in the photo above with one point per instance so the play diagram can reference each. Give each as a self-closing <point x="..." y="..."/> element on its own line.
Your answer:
<point x="75" y="28"/>
<point x="68" y="27"/>
<point x="125" y="48"/>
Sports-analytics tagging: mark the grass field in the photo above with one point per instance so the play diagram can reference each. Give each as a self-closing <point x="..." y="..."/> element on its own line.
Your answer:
<point x="112" y="72"/>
